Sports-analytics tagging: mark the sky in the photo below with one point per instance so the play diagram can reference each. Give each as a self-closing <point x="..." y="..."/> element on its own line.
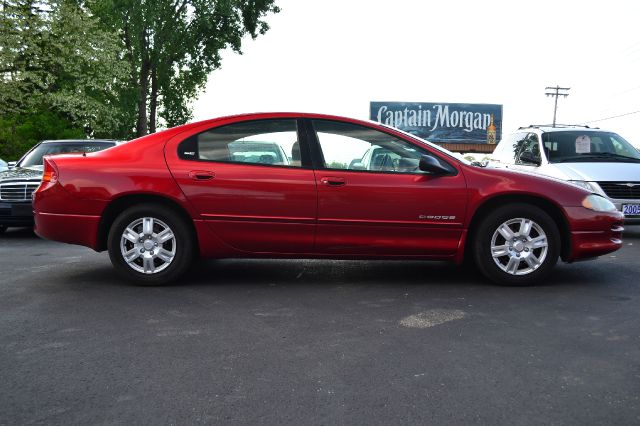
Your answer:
<point x="335" y="57"/>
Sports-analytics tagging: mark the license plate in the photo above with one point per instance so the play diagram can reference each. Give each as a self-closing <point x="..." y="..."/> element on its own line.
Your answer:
<point x="631" y="209"/>
<point x="21" y="210"/>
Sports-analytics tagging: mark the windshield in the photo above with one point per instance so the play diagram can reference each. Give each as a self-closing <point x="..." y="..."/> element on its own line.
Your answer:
<point x="575" y="146"/>
<point x="34" y="157"/>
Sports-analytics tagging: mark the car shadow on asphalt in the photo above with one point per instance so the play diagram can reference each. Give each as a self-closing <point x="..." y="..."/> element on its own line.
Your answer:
<point x="18" y="234"/>
<point x="328" y="272"/>
<point x="631" y="231"/>
<point x="296" y="272"/>
<point x="244" y="273"/>
<point x="305" y="272"/>
<point x="378" y="273"/>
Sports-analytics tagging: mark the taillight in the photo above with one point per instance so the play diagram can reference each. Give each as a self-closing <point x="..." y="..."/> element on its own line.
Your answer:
<point x="50" y="174"/>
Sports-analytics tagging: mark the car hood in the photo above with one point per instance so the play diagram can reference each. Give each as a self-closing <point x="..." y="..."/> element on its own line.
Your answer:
<point x="21" y="173"/>
<point x="597" y="172"/>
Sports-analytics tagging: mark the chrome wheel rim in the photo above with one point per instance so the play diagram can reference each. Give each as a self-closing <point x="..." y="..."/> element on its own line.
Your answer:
<point x="148" y="245"/>
<point x="519" y="246"/>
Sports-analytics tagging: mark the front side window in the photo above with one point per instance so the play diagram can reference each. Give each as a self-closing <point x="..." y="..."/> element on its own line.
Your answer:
<point x="264" y="142"/>
<point x="528" y="150"/>
<point x="347" y="146"/>
<point x="508" y="149"/>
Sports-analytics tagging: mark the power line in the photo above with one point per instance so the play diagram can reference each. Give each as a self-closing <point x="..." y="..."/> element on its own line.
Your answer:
<point x="556" y="95"/>
<point x="609" y="118"/>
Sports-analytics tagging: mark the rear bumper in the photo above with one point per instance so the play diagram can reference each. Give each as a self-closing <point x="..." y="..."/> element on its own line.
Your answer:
<point x="594" y="234"/>
<point x="68" y="228"/>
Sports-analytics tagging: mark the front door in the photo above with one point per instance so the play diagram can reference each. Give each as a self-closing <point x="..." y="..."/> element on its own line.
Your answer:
<point x="373" y="200"/>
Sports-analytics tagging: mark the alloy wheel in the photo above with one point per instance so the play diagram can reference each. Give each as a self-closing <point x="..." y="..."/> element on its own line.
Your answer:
<point x="148" y="245"/>
<point x="519" y="246"/>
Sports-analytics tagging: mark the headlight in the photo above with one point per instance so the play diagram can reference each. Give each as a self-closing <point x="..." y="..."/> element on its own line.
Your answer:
<point x="586" y="185"/>
<point x="597" y="203"/>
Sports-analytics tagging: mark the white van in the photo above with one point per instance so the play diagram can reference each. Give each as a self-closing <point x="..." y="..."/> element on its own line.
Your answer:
<point x="599" y="160"/>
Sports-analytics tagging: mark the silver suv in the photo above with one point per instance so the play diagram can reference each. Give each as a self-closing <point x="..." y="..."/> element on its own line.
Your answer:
<point x="595" y="159"/>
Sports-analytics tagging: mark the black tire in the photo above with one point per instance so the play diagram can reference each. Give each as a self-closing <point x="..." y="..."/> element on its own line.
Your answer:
<point x="154" y="254"/>
<point x="524" y="258"/>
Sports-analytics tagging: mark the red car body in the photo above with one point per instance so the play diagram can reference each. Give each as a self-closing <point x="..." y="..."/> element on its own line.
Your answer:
<point x="249" y="210"/>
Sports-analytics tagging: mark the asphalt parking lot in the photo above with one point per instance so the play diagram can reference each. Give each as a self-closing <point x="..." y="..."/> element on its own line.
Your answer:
<point x="315" y="342"/>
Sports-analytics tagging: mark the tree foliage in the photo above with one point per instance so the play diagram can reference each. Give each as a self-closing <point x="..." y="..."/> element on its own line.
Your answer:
<point x="173" y="45"/>
<point x="58" y="66"/>
<point x="111" y="68"/>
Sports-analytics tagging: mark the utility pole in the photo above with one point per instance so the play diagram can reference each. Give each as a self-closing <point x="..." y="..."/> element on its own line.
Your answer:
<point x="556" y="94"/>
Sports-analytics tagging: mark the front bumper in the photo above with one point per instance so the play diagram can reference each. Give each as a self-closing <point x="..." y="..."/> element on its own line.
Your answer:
<point x="594" y="234"/>
<point x="16" y="213"/>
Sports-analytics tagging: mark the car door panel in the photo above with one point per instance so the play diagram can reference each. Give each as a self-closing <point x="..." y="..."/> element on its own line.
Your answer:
<point x="242" y="183"/>
<point x="373" y="200"/>
<point x="381" y="214"/>
<point x="254" y="208"/>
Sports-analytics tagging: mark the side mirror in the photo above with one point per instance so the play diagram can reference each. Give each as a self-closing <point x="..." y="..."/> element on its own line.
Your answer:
<point x="11" y="164"/>
<point x="431" y="165"/>
<point x="530" y="158"/>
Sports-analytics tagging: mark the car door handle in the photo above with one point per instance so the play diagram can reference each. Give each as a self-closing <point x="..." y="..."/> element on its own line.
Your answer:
<point x="332" y="181"/>
<point x="201" y="175"/>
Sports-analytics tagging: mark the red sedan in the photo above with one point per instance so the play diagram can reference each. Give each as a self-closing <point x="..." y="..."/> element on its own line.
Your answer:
<point x="287" y="185"/>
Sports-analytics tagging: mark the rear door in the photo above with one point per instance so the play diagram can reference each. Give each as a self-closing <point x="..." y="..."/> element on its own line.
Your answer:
<point x="253" y="183"/>
<point x="373" y="200"/>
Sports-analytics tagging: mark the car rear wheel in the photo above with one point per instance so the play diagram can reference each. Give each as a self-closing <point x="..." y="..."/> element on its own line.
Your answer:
<point x="150" y="244"/>
<point x="517" y="244"/>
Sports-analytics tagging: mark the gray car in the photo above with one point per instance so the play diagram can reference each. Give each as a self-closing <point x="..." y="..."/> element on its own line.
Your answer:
<point x="598" y="160"/>
<point x="17" y="183"/>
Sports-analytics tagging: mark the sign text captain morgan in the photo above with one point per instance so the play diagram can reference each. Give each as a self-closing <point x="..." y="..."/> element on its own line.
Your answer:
<point x="440" y="122"/>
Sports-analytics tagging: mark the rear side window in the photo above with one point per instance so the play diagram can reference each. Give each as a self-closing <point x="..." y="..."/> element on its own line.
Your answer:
<point x="264" y="142"/>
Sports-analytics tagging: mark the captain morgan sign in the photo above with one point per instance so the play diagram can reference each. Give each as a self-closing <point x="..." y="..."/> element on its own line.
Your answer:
<point x="441" y="122"/>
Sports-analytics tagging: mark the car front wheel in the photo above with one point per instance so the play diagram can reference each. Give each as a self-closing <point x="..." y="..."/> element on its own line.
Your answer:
<point x="150" y="244"/>
<point x="517" y="245"/>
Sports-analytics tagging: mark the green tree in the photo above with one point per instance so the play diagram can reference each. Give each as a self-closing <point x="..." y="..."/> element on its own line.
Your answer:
<point x="62" y="74"/>
<point x="172" y="46"/>
<point x="18" y="133"/>
<point x="23" y="26"/>
<point x="88" y="72"/>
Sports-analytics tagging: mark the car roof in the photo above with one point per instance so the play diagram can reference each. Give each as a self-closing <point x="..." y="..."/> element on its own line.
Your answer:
<point x="281" y="114"/>
<point x="80" y="140"/>
<point x="561" y="128"/>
